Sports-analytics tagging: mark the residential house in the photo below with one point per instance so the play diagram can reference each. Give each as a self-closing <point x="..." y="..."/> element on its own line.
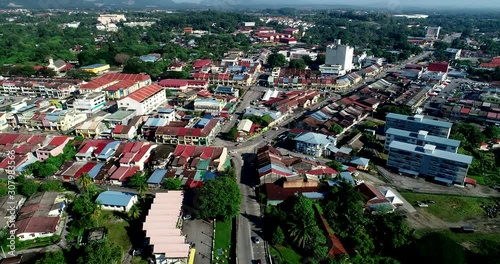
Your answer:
<point x="314" y="144"/>
<point x="135" y="154"/>
<point x="90" y="149"/>
<point x="116" y="85"/>
<point x="53" y="148"/>
<point x="124" y="132"/>
<point x="120" y="117"/>
<point x="92" y="128"/>
<point x="189" y="135"/>
<point x="156" y="179"/>
<point x="116" y="201"/>
<point x="361" y="163"/>
<point x="209" y="105"/>
<point x="374" y="200"/>
<point x="181" y="86"/>
<point x="167" y="114"/>
<point x="227" y="91"/>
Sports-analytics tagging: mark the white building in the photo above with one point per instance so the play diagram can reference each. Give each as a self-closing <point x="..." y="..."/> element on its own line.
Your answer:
<point x="111" y="18"/>
<point x="331" y="69"/>
<point x="209" y="105"/>
<point x="144" y="100"/>
<point x="167" y="113"/>
<point x="116" y="201"/>
<point x="339" y="54"/>
<point x="90" y="103"/>
<point x="432" y="32"/>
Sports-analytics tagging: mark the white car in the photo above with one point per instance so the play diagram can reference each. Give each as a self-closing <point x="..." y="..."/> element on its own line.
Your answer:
<point x="422" y="205"/>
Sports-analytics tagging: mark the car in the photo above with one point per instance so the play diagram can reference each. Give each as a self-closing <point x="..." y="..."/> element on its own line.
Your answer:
<point x="186" y="217"/>
<point x="256" y="240"/>
<point x="429" y="201"/>
<point x="422" y="205"/>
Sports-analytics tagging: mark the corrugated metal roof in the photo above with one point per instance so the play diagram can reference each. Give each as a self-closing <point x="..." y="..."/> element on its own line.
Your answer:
<point x="115" y="198"/>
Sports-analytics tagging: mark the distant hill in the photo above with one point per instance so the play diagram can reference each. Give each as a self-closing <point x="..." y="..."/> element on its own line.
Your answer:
<point x="63" y="4"/>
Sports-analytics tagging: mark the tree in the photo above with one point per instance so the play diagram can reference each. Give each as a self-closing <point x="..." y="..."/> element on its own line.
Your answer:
<point x="297" y="64"/>
<point x="85" y="180"/>
<point x="228" y="172"/>
<point x="28" y="188"/>
<point x="233" y="133"/>
<point x="278" y="237"/>
<point x="142" y="189"/>
<point x="136" y="180"/>
<point x="335" y="129"/>
<point x="276" y="60"/>
<point x="492" y="132"/>
<point x="438" y="248"/>
<point x="468" y="133"/>
<point x="101" y="252"/>
<point x="51" y="186"/>
<point x="320" y="59"/>
<point x="52" y="257"/>
<point x="122" y="58"/>
<point x="172" y="184"/>
<point x="335" y="165"/>
<point x="220" y="199"/>
<point x="302" y="227"/>
<point x="134" y="212"/>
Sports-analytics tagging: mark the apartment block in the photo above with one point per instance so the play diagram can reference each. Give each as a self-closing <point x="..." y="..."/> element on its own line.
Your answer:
<point x="90" y="103"/>
<point x="417" y="123"/>
<point x="420" y="138"/>
<point x="427" y="161"/>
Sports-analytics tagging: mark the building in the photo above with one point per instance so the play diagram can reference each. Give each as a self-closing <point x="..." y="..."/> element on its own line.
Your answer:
<point x="124" y="132"/>
<point x="116" y="201"/>
<point x="53" y="148"/>
<point x="209" y="105"/>
<point x="417" y="123"/>
<point x="453" y="54"/>
<point x="427" y="161"/>
<point x="110" y="18"/>
<point x="314" y="144"/>
<point x="162" y="227"/>
<point x="339" y="54"/>
<point x="90" y="103"/>
<point x="374" y="199"/>
<point x="432" y="33"/>
<point x="180" y="85"/>
<point x="167" y="113"/>
<point x="420" y="138"/>
<point x="120" y="117"/>
<point x="227" y="91"/>
<point x="97" y="69"/>
<point x="116" y="85"/>
<point x="38" y="87"/>
<point x="245" y="126"/>
<point x="91" y="128"/>
<point x="189" y="135"/>
<point x="156" y="179"/>
<point x="144" y="100"/>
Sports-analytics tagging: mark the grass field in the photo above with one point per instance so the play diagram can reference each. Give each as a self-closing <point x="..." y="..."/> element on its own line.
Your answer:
<point x="450" y="208"/>
<point x="117" y="232"/>
<point x="222" y="238"/>
<point x="285" y="254"/>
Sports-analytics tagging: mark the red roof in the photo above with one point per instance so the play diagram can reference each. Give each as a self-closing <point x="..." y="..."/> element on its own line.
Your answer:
<point x="173" y="83"/>
<point x="59" y="140"/>
<point x="121" y="85"/>
<point x="470" y="181"/>
<point x="118" y="129"/>
<point x="126" y="76"/>
<point x="144" y="93"/>
<point x="85" y="169"/>
<point x="37" y="225"/>
<point x="97" y="83"/>
<point x="336" y="247"/>
<point x="201" y="63"/>
<point x="441" y="66"/>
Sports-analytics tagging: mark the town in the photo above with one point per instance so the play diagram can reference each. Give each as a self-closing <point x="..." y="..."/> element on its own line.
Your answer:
<point x="259" y="137"/>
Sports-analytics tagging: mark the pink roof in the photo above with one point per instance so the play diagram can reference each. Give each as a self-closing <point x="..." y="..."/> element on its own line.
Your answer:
<point x="97" y="83"/>
<point x="59" y="140"/>
<point x="126" y="76"/>
<point x="124" y="173"/>
<point x="145" y="92"/>
<point x="121" y="85"/>
<point x="173" y="83"/>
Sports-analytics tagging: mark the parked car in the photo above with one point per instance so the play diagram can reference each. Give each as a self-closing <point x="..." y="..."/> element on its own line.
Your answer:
<point x="256" y="240"/>
<point x="429" y="201"/>
<point x="186" y="217"/>
<point x="422" y="205"/>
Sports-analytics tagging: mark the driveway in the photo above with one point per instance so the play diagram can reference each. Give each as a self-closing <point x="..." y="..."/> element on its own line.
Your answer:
<point x="199" y="233"/>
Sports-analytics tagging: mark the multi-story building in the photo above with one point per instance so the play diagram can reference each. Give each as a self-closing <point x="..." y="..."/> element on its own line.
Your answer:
<point x="38" y="87"/>
<point x="91" y="128"/>
<point x="179" y="85"/>
<point x="432" y="33"/>
<point x="144" y="100"/>
<point x="90" y="103"/>
<point x="314" y="144"/>
<point x="209" y="105"/>
<point x="429" y="162"/>
<point x="116" y="85"/>
<point x="417" y="123"/>
<point x="189" y="135"/>
<point x="420" y="138"/>
<point x="339" y="54"/>
<point x="453" y="54"/>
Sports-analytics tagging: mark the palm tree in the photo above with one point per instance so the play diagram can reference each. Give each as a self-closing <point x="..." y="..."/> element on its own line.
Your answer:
<point x="142" y="189"/>
<point x="85" y="180"/>
<point x="302" y="232"/>
<point x="134" y="212"/>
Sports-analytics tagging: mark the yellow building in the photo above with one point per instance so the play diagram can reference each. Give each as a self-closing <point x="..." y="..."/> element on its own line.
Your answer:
<point x="96" y="68"/>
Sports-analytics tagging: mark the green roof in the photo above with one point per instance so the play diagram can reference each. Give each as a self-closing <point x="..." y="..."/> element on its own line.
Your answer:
<point x="203" y="164"/>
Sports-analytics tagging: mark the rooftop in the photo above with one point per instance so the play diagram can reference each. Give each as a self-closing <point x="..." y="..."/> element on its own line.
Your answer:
<point x="315" y="138"/>
<point x="428" y="138"/>
<point x="430" y="150"/>
<point x="421" y="119"/>
<point x="144" y="93"/>
<point x="115" y="198"/>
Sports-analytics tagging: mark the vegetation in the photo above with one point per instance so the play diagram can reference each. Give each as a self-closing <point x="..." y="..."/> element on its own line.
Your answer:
<point x="222" y="238"/>
<point x="172" y="184"/>
<point x="233" y="133"/>
<point x="219" y="199"/>
<point x="399" y="109"/>
<point x="451" y="208"/>
<point x="335" y="165"/>
<point x="101" y="252"/>
<point x="53" y="257"/>
<point x="276" y="60"/>
<point x="51" y="165"/>
<point x="335" y="129"/>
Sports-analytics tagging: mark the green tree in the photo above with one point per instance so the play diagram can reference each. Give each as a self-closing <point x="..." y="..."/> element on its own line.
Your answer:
<point x="172" y="184"/>
<point x="297" y="64"/>
<point x="438" y="248"/>
<point x="233" y="133"/>
<point x="468" y="133"/>
<point x="28" y="188"/>
<point x="492" y="132"/>
<point x="52" y="257"/>
<point x="142" y="189"/>
<point x="137" y="180"/>
<point x="51" y="186"/>
<point x="335" y="165"/>
<point x="228" y="172"/>
<point x="85" y="180"/>
<point x="220" y="199"/>
<point x="134" y="212"/>
<point x="335" y="129"/>
<point x="278" y="236"/>
<point x="302" y="227"/>
<point x="276" y="60"/>
<point x="101" y="252"/>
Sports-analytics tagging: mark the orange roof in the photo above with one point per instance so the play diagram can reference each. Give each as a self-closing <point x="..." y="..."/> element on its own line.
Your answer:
<point x="120" y="85"/>
<point x="145" y="92"/>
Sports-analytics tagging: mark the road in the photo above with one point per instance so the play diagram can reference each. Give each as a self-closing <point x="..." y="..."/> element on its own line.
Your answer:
<point x="250" y="218"/>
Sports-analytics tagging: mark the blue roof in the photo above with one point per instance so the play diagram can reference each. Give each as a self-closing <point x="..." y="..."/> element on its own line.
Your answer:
<point x="275" y="167"/>
<point x="25" y="108"/>
<point x="225" y="89"/>
<point x="109" y="150"/>
<point x="157" y="176"/>
<point x="95" y="170"/>
<point x="360" y="161"/>
<point x="156" y="122"/>
<point x="202" y="123"/>
<point x="427" y="138"/>
<point x="115" y="198"/>
<point x="313" y="195"/>
<point x="165" y="110"/>
<point x="434" y="153"/>
<point x="315" y="139"/>
<point x="347" y="176"/>
<point x="93" y="66"/>
<point x="424" y="120"/>
<point x="238" y="77"/>
<point x="208" y="116"/>
<point x="148" y="58"/>
<point x="318" y="115"/>
<point x="209" y="175"/>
